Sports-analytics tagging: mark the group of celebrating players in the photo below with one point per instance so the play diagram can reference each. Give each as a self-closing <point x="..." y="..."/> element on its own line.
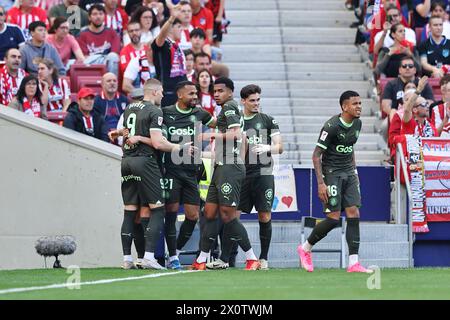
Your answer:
<point x="164" y="154"/>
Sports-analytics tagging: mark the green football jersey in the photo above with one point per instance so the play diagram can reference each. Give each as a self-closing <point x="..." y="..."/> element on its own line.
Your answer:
<point x="182" y="127"/>
<point x="229" y="117"/>
<point x="140" y="118"/>
<point x="259" y="129"/>
<point x="337" y="138"/>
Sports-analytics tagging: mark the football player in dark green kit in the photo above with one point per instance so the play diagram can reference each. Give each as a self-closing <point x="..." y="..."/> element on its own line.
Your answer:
<point x="184" y="122"/>
<point x="337" y="180"/>
<point x="224" y="190"/>
<point x="142" y="181"/>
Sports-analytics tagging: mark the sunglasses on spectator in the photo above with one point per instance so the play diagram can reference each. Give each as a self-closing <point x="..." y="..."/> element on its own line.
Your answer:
<point x="423" y="105"/>
<point x="409" y="65"/>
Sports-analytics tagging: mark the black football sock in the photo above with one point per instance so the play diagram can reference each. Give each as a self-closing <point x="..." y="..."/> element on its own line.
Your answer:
<point x="265" y="235"/>
<point x="186" y="230"/>
<point x="209" y="235"/>
<point x="239" y="233"/>
<point x="139" y="240"/>
<point x="352" y="235"/>
<point x="154" y="228"/>
<point x="226" y="243"/>
<point x="126" y="232"/>
<point x="321" y="230"/>
<point x="170" y="232"/>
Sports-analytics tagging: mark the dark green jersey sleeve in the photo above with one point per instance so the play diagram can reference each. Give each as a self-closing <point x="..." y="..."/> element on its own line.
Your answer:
<point x="232" y="115"/>
<point x="205" y="117"/>
<point x="326" y="136"/>
<point x="272" y="124"/>
<point x="156" y="119"/>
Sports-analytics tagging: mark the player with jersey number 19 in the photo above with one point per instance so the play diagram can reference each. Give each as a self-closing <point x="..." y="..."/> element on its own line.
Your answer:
<point x="337" y="180"/>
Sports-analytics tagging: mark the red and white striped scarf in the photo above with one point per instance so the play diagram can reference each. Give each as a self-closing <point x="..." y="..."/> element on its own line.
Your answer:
<point x="88" y="124"/>
<point x="9" y="85"/>
<point x="57" y="93"/>
<point x="32" y="108"/>
<point x="114" y="22"/>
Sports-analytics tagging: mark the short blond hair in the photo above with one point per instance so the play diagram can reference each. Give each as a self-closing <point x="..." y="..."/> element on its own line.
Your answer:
<point x="152" y="84"/>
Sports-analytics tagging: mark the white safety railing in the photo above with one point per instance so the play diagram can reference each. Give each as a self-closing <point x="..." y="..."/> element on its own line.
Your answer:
<point x="401" y="163"/>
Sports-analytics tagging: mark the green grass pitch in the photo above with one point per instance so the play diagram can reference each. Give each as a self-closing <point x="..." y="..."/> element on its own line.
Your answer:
<point x="233" y="284"/>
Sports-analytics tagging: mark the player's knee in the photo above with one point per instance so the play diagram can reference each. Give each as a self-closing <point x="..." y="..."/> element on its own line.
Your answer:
<point x="264" y="217"/>
<point x="352" y="212"/>
<point x="334" y="215"/>
<point x="144" y="212"/>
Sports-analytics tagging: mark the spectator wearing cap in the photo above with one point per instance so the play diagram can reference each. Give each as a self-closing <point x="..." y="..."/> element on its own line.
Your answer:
<point x="99" y="44"/>
<point x="393" y="92"/>
<point x="11" y="36"/>
<point x="11" y="76"/>
<point x="65" y="43"/>
<point x="435" y="52"/>
<point x="170" y="63"/>
<point x="24" y="15"/>
<point x="30" y="99"/>
<point x="37" y="47"/>
<point x="110" y="104"/>
<point x="202" y="18"/>
<point x="81" y="118"/>
<point x="69" y="9"/>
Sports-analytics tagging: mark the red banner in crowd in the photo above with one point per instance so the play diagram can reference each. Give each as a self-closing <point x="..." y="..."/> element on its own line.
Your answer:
<point x="436" y="156"/>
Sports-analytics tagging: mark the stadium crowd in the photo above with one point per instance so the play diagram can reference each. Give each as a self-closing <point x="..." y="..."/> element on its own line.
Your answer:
<point x="44" y="43"/>
<point x="409" y="51"/>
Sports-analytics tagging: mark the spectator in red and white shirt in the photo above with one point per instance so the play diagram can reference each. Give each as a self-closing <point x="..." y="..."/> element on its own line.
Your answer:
<point x="11" y="75"/>
<point x="58" y="88"/>
<point x="99" y="44"/>
<point x="115" y="18"/>
<point x="138" y="71"/>
<point x="205" y="89"/>
<point x="30" y="99"/>
<point x="47" y="4"/>
<point x="441" y="113"/>
<point x="185" y="18"/>
<point x="149" y="25"/>
<point x="415" y="119"/>
<point x="132" y="50"/>
<point x="202" y="18"/>
<point x="25" y="14"/>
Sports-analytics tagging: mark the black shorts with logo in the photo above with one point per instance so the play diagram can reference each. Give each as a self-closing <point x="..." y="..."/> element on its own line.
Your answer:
<point x="181" y="187"/>
<point x="343" y="192"/>
<point x="257" y="192"/>
<point x="225" y="187"/>
<point x="141" y="181"/>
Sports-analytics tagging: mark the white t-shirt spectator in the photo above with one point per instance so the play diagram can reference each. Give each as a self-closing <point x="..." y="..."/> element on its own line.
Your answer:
<point x="410" y="36"/>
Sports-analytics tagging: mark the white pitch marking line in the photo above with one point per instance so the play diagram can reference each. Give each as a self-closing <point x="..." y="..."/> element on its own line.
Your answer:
<point x="88" y="283"/>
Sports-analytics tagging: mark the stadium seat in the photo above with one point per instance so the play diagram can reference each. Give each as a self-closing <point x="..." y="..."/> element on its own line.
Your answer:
<point x="56" y="117"/>
<point x="310" y="222"/>
<point x="435" y="87"/>
<point x="93" y="82"/>
<point x="80" y="70"/>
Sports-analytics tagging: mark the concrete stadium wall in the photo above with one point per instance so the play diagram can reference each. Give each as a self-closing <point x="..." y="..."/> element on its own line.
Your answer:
<point x="55" y="181"/>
